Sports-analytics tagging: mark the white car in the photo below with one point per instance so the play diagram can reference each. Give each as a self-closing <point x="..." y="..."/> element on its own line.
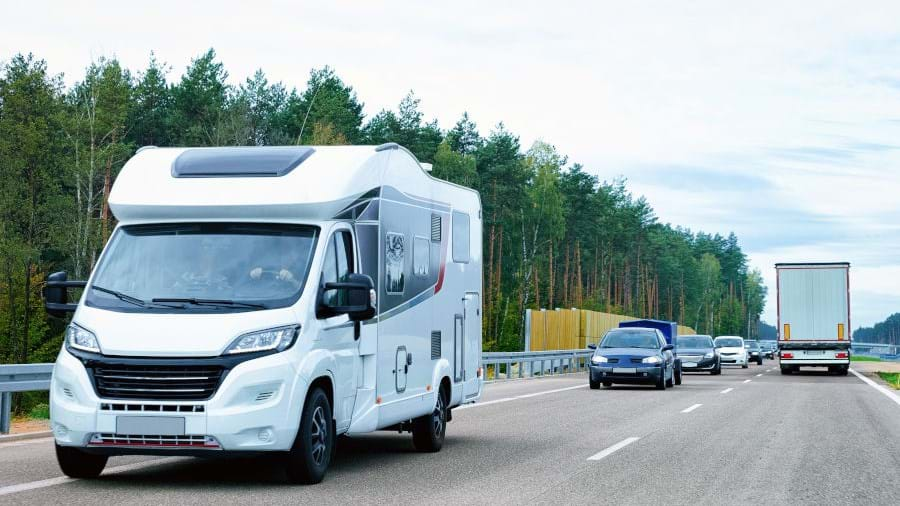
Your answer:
<point x="731" y="350"/>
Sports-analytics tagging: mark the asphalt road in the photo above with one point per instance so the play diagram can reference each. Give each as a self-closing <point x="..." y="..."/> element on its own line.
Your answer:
<point x="749" y="436"/>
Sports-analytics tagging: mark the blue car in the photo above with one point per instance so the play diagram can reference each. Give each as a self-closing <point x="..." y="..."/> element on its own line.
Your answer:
<point x="635" y="356"/>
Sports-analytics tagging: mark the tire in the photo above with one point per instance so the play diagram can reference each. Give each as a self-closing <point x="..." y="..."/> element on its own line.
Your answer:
<point x="746" y="365"/>
<point x="759" y="361"/>
<point x="844" y="370"/>
<point x="429" y="430"/>
<point x="595" y="385"/>
<point x="78" y="464"/>
<point x="786" y="370"/>
<point x="607" y="384"/>
<point x="678" y="376"/>
<point x="671" y="381"/>
<point x="308" y="460"/>
<point x="717" y="370"/>
<point x="661" y="382"/>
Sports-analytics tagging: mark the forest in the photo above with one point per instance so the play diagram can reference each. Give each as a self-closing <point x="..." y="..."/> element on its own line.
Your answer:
<point x="555" y="234"/>
<point x="885" y="332"/>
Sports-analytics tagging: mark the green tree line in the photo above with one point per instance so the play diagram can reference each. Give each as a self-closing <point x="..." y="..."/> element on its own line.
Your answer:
<point x="555" y="235"/>
<point x="885" y="332"/>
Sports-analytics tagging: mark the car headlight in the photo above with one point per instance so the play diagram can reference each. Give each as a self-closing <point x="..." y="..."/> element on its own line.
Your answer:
<point x="598" y="359"/>
<point x="278" y="339"/>
<point x="710" y="355"/>
<point x="81" y="339"/>
<point x="651" y="360"/>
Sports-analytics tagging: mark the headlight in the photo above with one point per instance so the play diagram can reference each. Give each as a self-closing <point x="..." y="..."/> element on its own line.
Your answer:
<point x="651" y="360"/>
<point x="710" y="355"/>
<point x="81" y="339"/>
<point x="278" y="339"/>
<point x="598" y="359"/>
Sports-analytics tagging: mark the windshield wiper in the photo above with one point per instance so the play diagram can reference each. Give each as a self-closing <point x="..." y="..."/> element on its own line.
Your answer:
<point x="121" y="296"/>
<point x="210" y="302"/>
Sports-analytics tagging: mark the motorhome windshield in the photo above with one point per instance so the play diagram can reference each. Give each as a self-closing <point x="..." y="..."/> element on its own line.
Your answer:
<point x="203" y="267"/>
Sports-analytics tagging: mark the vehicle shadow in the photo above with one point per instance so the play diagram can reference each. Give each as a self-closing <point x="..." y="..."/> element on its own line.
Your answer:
<point x="352" y="454"/>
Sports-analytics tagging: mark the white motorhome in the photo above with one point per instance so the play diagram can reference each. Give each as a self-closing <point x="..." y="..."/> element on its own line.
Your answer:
<point x="268" y="299"/>
<point x="813" y="316"/>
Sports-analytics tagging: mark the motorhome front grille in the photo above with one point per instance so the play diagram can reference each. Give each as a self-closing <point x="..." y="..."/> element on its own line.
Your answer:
<point x="156" y="382"/>
<point x="435" y="345"/>
<point x="156" y="440"/>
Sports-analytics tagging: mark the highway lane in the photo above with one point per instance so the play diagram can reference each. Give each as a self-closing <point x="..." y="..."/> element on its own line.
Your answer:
<point x="807" y="439"/>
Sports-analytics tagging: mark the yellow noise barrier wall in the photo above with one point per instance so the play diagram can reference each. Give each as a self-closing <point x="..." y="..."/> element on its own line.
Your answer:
<point x="569" y="329"/>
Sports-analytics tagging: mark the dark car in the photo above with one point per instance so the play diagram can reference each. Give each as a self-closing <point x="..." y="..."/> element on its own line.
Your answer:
<point x="636" y="356"/>
<point x="770" y="348"/>
<point x="754" y="352"/>
<point x="698" y="354"/>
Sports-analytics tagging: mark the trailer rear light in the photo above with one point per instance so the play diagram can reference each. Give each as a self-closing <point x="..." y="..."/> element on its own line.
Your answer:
<point x="787" y="355"/>
<point x="841" y="354"/>
<point x="787" y="331"/>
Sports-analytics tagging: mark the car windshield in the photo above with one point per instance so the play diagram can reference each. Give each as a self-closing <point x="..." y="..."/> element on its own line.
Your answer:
<point x="203" y="267"/>
<point x="753" y="345"/>
<point x="630" y="339"/>
<point x="728" y="342"/>
<point x="693" y="342"/>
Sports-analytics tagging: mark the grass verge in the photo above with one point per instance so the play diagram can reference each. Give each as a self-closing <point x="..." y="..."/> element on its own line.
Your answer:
<point x="863" y="358"/>
<point x="893" y="378"/>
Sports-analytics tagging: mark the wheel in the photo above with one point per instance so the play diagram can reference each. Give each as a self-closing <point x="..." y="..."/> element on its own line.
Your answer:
<point x="678" y="376"/>
<point x="716" y="370"/>
<point x="429" y="430"/>
<point x="759" y="361"/>
<point x="310" y="456"/>
<point x="594" y="384"/>
<point x="844" y="370"/>
<point x="661" y="382"/>
<point x="671" y="381"/>
<point x="607" y="384"/>
<point x="78" y="464"/>
<point x="786" y="370"/>
<point x="745" y="365"/>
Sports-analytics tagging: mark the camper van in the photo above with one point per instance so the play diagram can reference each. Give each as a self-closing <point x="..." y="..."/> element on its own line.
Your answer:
<point x="269" y="299"/>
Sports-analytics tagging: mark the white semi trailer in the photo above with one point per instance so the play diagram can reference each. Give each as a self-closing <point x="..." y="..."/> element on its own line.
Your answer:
<point x="814" y="316"/>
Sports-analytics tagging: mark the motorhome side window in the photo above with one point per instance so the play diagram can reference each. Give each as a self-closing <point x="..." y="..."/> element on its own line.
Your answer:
<point x="421" y="256"/>
<point x="394" y="263"/>
<point x="461" y="237"/>
<point x="337" y="266"/>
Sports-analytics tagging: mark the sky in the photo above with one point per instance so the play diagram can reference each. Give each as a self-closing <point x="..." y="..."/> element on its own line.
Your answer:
<point x="779" y="121"/>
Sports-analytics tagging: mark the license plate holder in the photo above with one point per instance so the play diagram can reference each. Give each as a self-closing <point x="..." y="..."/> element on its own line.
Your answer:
<point x="689" y="364"/>
<point x="150" y="425"/>
<point x="624" y="370"/>
<point x="815" y="352"/>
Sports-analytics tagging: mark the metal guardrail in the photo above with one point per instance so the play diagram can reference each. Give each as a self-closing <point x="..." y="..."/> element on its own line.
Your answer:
<point x="20" y="378"/>
<point x="522" y="364"/>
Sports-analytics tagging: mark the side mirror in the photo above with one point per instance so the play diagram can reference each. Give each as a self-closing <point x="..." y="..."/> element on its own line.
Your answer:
<point x="592" y="346"/>
<point x="668" y="347"/>
<point x="354" y="297"/>
<point x="56" y="294"/>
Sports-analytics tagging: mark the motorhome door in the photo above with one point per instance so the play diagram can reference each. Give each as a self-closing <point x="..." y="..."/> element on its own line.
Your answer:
<point x="471" y="356"/>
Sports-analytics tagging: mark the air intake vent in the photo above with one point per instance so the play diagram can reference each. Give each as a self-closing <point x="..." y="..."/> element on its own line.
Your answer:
<point x="156" y="382"/>
<point x="435" y="345"/>
<point x="264" y="396"/>
<point x="436" y="228"/>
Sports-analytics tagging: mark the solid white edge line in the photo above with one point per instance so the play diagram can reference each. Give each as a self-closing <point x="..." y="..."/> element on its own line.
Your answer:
<point x="523" y="396"/>
<point x="726" y="390"/>
<point x="485" y="403"/>
<point x="618" y="446"/>
<point x="24" y="487"/>
<point x="747" y="381"/>
<point x="688" y="410"/>
<point x="890" y="395"/>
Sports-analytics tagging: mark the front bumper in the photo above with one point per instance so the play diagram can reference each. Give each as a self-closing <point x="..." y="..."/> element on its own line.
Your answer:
<point x="635" y="374"/>
<point x="734" y="359"/>
<point x="254" y="409"/>
<point x="702" y="364"/>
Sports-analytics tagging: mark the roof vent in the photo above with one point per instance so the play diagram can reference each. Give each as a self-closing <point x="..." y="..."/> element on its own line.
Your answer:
<point x="386" y="146"/>
<point x="239" y="162"/>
